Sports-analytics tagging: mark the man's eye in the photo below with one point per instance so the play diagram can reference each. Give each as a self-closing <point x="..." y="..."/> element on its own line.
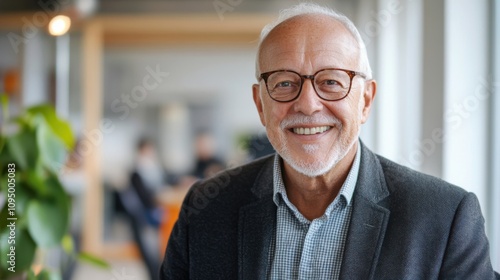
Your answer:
<point x="332" y="83"/>
<point x="284" y="84"/>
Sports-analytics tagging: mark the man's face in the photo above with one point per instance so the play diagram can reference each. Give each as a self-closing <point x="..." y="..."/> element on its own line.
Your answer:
<point x="306" y="44"/>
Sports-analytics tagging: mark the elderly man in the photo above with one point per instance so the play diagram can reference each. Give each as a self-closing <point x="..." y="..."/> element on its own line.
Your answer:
<point x="325" y="206"/>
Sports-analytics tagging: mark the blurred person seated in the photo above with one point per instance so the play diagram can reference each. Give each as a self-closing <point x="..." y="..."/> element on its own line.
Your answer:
<point x="207" y="164"/>
<point x="142" y="209"/>
<point x="147" y="179"/>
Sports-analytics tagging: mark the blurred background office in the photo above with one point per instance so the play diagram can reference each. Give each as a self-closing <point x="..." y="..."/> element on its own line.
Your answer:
<point x="179" y="73"/>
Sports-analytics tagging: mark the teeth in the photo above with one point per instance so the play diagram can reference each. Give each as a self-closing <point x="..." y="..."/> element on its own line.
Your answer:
<point x="312" y="130"/>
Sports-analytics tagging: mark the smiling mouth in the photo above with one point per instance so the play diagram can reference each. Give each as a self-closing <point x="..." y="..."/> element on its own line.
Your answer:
<point x="310" y="130"/>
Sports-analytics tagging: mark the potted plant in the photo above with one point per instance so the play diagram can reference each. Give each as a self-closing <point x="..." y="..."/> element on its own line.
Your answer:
<point x="34" y="205"/>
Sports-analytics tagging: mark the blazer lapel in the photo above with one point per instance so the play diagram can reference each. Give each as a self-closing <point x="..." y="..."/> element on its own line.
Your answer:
<point x="368" y="221"/>
<point x="256" y="227"/>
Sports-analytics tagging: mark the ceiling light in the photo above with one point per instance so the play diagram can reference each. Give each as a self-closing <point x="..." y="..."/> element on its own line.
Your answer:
<point x="59" y="25"/>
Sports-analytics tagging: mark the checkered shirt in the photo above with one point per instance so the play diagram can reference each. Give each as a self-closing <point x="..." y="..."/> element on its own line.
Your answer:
<point x="304" y="249"/>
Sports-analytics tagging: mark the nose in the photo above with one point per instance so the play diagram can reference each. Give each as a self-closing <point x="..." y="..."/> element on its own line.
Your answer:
<point x="308" y="101"/>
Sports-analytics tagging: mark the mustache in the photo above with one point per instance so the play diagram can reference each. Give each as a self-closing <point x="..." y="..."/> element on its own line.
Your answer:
<point x="300" y="119"/>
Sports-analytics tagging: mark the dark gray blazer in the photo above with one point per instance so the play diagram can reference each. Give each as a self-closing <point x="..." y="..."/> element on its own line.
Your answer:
<point x="404" y="225"/>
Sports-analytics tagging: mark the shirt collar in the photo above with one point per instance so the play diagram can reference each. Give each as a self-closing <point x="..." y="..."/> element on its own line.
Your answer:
<point x="346" y="191"/>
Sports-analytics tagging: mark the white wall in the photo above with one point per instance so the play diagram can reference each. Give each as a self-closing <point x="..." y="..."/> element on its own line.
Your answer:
<point x="467" y="96"/>
<point x="392" y="31"/>
<point x="494" y="145"/>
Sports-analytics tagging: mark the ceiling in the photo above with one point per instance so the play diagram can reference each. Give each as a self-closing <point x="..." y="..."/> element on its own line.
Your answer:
<point x="155" y="6"/>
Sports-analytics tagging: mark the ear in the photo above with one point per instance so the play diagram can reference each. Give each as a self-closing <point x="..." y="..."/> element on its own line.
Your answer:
<point x="258" y="102"/>
<point x="368" y="97"/>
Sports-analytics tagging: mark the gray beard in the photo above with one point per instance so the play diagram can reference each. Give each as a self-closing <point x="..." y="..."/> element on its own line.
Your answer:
<point x="316" y="168"/>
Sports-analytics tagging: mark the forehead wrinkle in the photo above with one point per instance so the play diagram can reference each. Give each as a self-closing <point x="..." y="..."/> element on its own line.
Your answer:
<point x="312" y="59"/>
<point x="292" y="43"/>
<point x="315" y="64"/>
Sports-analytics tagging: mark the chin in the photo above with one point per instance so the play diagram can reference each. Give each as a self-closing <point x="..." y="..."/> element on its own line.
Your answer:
<point x="312" y="170"/>
<point x="311" y="161"/>
<point x="311" y="167"/>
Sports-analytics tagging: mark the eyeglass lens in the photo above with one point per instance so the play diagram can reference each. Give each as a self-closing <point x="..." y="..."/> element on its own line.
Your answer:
<point x="329" y="84"/>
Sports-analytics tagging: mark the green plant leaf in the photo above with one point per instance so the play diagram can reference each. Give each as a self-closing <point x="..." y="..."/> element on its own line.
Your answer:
<point x="2" y="144"/>
<point x="42" y="275"/>
<point x="4" y="214"/>
<point x="68" y="244"/>
<point x="91" y="259"/>
<point x="23" y="148"/>
<point x="31" y="275"/>
<point x="52" y="153"/>
<point x="22" y="196"/>
<point x="24" y="250"/>
<point x="47" y="222"/>
<point x="48" y="275"/>
<point x="36" y="183"/>
<point x="4" y="101"/>
<point x="5" y="158"/>
<point x="58" y="126"/>
<point x="58" y="193"/>
<point x="4" y="249"/>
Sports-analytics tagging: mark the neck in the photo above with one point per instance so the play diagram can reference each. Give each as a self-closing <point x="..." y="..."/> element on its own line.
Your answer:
<point x="312" y="195"/>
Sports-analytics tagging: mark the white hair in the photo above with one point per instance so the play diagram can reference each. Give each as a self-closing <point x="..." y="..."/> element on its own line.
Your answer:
<point x="311" y="8"/>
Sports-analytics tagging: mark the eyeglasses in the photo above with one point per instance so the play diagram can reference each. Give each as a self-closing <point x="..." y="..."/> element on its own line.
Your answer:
<point x="330" y="84"/>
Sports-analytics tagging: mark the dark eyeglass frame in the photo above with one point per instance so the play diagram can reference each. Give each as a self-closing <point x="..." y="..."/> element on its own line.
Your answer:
<point x="351" y="73"/>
